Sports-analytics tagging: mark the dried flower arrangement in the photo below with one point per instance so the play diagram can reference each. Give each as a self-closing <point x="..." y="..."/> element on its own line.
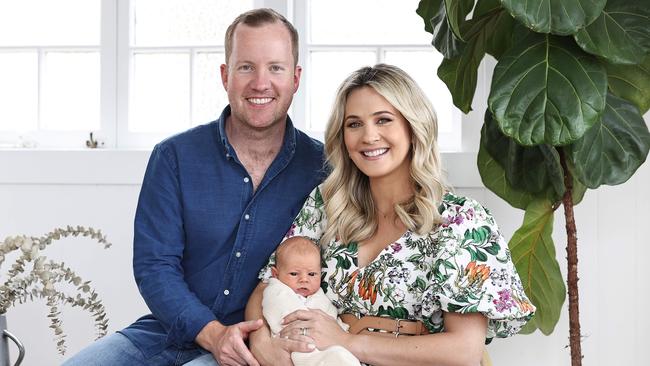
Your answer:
<point x="23" y="284"/>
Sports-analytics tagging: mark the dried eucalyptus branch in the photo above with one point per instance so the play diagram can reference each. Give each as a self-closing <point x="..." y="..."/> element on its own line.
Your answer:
<point x="23" y="284"/>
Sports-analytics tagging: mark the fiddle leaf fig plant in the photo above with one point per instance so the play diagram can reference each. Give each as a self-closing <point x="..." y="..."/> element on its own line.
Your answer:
<point x="42" y="279"/>
<point x="567" y="95"/>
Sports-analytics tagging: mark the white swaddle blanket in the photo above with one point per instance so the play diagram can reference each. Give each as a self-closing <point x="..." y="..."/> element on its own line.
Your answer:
<point x="280" y="300"/>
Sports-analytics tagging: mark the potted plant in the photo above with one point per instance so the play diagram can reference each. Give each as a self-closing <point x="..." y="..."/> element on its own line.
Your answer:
<point x="32" y="275"/>
<point x="569" y="89"/>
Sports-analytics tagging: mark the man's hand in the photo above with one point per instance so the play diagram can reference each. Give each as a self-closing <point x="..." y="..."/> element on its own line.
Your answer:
<point x="226" y="343"/>
<point x="276" y="351"/>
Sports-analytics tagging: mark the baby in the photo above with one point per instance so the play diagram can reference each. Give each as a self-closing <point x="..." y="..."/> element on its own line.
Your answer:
<point x="296" y="285"/>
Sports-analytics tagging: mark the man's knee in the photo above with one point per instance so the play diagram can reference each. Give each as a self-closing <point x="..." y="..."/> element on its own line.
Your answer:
<point x="114" y="349"/>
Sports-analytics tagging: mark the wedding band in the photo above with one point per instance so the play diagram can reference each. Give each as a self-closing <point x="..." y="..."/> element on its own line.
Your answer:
<point x="303" y="331"/>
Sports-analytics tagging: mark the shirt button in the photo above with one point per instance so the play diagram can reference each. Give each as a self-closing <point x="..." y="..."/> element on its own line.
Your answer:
<point x="246" y="179"/>
<point x="238" y="254"/>
<point x="228" y="156"/>
<point x="246" y="217"/>
<point x="226" y="292"/>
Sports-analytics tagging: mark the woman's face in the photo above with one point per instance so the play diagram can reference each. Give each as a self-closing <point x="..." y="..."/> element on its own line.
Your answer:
<point x="377" y="137"/>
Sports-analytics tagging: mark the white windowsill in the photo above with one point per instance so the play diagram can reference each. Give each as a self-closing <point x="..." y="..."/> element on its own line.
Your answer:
<point x="126" y="167"/>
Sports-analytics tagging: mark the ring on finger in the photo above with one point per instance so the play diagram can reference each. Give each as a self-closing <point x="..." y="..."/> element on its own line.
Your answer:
<point x="303" y="331"/>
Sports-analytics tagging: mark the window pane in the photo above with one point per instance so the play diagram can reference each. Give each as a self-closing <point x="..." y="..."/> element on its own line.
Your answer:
<point x="422" y="66"/>
<point x="184" y="22"/>
<point x="18" y="91"/>
<point x="209" y="97"/>
<point x="328" y="69"/>
<point x="71" y="91"/>
<point x="366" y="22"/>
<point x="161" y="93"/>
<point x="47" y="22"/>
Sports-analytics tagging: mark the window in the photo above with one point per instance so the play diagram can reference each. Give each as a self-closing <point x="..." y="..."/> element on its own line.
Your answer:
<point x="49" y="67"/>
<point x="365" y="33"/>
<point x="136" y="71"/>
<point x="173" y="54"/>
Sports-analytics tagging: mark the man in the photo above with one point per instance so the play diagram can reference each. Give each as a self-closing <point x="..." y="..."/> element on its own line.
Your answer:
<point x="215" y="202"/>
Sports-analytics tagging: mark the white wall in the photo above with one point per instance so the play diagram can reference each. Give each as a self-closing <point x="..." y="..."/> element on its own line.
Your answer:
<point x="40" y="190"/>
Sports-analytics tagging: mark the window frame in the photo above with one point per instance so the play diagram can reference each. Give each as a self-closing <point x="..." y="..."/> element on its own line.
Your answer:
<point x="75" y="138"/>
<point x="116" y="73"/>
<point x="451" y="141"/>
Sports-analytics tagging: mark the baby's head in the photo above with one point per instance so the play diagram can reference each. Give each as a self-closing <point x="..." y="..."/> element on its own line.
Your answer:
<point x="297" y="265"/>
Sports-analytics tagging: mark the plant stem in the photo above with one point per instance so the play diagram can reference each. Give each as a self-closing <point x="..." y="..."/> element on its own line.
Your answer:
<point x="572" y="263"/>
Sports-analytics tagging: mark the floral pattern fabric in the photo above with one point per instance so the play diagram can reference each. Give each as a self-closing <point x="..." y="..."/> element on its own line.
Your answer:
<point x="463" y="265"/>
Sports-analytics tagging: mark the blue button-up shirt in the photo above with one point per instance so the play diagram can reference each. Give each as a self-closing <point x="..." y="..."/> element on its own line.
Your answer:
<point x="202" y="233"/>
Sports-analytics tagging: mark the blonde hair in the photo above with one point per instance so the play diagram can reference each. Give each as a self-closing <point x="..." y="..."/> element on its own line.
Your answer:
<point x="349" y="206"/>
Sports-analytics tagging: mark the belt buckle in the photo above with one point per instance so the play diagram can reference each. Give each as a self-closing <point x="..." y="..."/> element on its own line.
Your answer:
<point x="398" y="325"/>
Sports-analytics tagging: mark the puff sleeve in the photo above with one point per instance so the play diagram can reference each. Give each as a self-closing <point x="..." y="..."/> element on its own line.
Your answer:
<point x="473" y="270"/>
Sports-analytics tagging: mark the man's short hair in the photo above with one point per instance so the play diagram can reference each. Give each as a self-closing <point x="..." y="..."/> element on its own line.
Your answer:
<point x="257" y="18"/>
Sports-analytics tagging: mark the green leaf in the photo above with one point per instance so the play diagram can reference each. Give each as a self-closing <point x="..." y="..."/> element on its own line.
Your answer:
<point x="427" y="9"/>
<point x="493" y="249"/>
<point x="631" y="82"/>
<point x="318" y="199"/>
<point x="420" y="284"/>
<point x="478" y="236"/>
<point x="494" y="178"/>
<point x="612" y="150"/>
<point x="561" y="17"/>
<point x="415" y="258"/>
<point x="553" y="169"/>
<point x="457" y="11"/>
<point x="399" y="313"/>
<point x="342" y="262"/>
<point x="533" y="254"/>
<point x="501" y="30"/>
<point x="620" y="34"/>
<point x="579" y="191"/>
<point x="530" y="169"/>
<point x="448" y="264"/>
<point x="460" y="73"/>
<point x="529" y="328"/>
<point x="434" y="14"/>
<point x="547" y="90"/>
<point x="444" y="39"/>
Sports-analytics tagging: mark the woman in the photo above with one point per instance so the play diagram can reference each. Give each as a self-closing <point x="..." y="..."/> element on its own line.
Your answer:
<point x="396" y="243"/>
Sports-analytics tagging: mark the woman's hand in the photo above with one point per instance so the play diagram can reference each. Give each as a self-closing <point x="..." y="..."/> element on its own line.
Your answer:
<point x="319" y="329"/>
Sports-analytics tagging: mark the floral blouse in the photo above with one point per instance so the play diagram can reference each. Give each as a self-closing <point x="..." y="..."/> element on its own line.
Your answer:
<point x="463" y="265"/>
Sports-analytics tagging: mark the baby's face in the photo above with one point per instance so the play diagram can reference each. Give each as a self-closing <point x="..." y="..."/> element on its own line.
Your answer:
<point x="300" y="272"/>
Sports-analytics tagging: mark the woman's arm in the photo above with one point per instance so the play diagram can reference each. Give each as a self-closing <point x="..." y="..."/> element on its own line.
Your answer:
<point x="270" y="350"/>
<point x="461" y="343"/>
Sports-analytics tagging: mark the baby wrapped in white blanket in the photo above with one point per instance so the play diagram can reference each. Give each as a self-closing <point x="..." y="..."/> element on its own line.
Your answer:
<point x="296" y="286"/>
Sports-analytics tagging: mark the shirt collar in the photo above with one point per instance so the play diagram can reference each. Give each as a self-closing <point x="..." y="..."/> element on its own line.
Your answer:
<point x="288" y="144"/>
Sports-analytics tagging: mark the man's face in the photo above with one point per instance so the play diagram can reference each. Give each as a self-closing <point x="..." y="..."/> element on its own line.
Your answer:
<point x="301" y="272"/>
<point x="260" y="77"/>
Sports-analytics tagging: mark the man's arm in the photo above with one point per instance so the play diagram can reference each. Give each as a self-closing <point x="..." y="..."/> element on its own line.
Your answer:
<point x="159" y="242"/>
